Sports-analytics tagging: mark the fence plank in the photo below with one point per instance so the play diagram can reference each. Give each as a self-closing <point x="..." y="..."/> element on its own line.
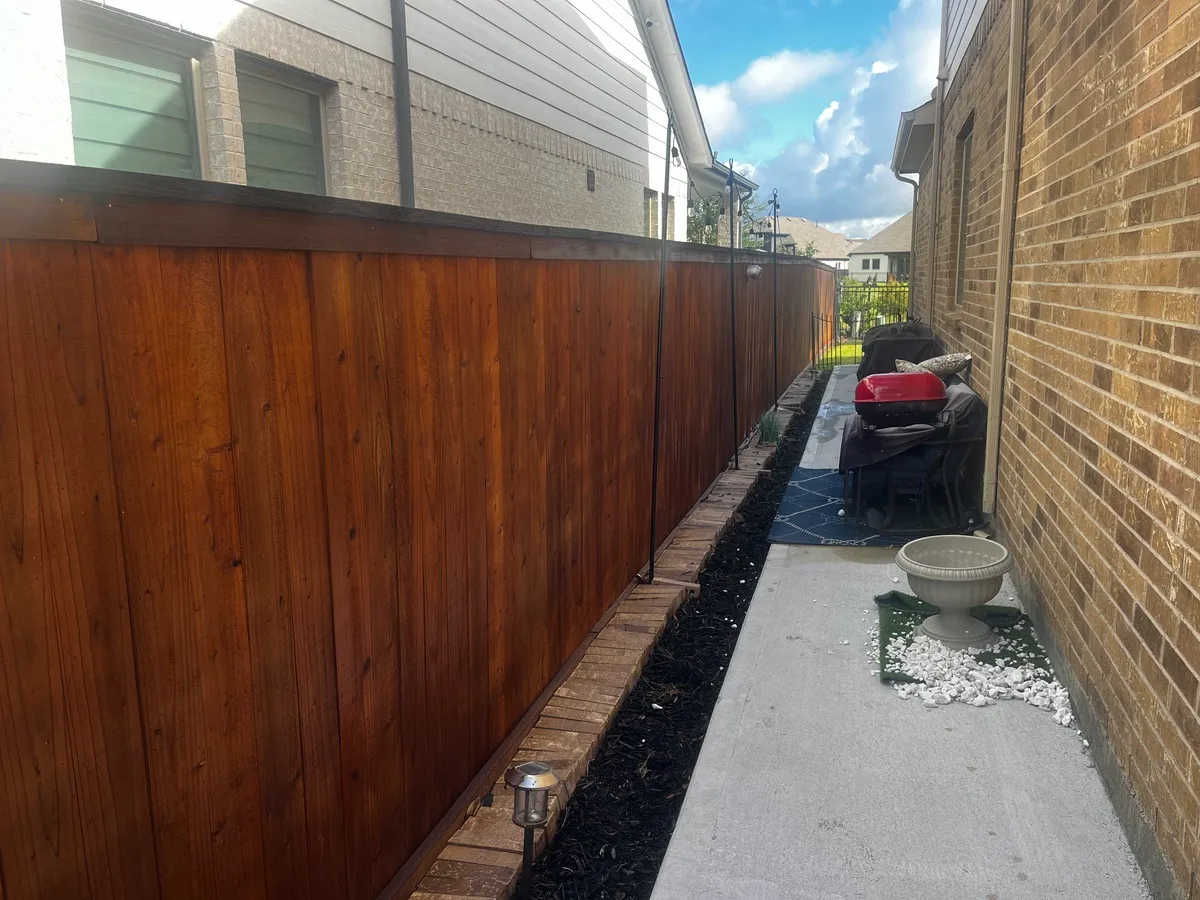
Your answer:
<point x="352" y="391"/>
<point x="277" y="460"/>
<point x="160" y="326"/>
<point x="72" y="758"/>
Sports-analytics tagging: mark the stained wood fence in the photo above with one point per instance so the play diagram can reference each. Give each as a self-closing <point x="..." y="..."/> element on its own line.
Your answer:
<point x="303" y="507"/>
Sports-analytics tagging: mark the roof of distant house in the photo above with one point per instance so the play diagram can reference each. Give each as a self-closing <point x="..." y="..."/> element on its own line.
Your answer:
<point x="802" y="232"/>
<point x="896" y="238"/>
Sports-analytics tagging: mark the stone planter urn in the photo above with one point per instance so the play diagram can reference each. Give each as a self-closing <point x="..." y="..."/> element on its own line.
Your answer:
<point x="955" y="573"/>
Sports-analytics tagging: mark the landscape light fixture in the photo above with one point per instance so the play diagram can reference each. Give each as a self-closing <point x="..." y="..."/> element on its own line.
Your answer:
<point x="753" y="271"/>
<point x="532" y="783"/>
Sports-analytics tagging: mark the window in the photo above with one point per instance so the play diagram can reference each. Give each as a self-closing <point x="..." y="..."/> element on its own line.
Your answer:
<point x="898" y="266"/>
<point x="875" y="263"/>
<point x="650" y="214"/>
<point x="132" y="100"/>
<point x="282" y="126"/>
<point x="866" y="264"/>
<point x="963" y="152"/>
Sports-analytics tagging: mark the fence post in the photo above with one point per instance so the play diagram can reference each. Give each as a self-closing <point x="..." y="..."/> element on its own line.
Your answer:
<point x="733" y="317"/>
<point x="662" y="306"/>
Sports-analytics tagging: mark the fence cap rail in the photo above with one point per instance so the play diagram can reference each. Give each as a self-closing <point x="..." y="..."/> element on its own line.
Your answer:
<point x="56" y="202"/>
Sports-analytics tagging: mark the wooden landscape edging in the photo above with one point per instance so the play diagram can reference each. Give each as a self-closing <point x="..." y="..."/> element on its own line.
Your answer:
<point x="482" y="858"/>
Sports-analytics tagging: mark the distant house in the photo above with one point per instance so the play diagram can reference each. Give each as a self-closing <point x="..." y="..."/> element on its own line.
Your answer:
<point x="886" y="256"/>
<point x="797" y="233"/>
<point x="552" y="113"/>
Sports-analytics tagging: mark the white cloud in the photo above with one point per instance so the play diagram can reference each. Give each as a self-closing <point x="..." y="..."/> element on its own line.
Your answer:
<point x="860" y="229"/>
<point x="772" y="78"/>
<point x="841" y="172"/>
<point x="723" y="120"/>
<point x="766" y="80"/>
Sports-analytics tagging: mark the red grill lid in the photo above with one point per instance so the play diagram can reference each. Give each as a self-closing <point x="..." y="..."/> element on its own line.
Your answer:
<point x="900" y="387"/>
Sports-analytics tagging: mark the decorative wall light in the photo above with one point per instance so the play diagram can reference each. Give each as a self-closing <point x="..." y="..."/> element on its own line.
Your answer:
<point x="532" y="783"/>
<point x="753" y="271"/>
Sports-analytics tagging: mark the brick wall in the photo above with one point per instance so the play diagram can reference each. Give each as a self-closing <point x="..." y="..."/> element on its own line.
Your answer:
<point x="978" y="95"/>
<point x="473" y="158"/>
<point x="360" y="114"/>
<point x="1100" y="450"/>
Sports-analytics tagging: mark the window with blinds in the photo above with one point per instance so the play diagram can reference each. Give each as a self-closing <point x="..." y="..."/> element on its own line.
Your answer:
<point x="281" y="124"/>
<point x="131" y="103"/>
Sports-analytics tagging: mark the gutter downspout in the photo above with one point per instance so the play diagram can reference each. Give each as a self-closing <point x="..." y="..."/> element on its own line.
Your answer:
<point x="912" y="245"/>
<point x="1004" y="253"/>
<point x="939" y="111"/>
<point x="403" y="101"/>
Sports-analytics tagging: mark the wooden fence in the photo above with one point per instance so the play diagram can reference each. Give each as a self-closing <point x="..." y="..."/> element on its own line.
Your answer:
<point x="303" y="509"/>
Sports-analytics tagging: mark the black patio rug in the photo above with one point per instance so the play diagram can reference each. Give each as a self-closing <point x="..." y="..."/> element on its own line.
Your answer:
<point x="808" y="514"/>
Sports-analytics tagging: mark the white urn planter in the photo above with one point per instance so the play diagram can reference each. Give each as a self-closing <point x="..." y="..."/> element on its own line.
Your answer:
<point x="955" y="573"/>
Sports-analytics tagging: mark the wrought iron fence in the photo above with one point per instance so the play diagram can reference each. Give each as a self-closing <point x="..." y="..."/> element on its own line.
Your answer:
<point x="860" y="306"/>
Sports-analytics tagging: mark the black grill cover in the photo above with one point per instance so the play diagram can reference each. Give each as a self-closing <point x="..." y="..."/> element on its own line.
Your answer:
<point x="884" y="344"/>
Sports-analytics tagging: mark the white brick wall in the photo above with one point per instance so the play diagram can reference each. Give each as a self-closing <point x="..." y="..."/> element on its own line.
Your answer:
<point x="36" y="119"/>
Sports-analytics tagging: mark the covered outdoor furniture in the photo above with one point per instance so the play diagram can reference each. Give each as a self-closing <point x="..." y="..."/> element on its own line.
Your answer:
<point x="932" y="464"/>
<point x="884" y="344"/>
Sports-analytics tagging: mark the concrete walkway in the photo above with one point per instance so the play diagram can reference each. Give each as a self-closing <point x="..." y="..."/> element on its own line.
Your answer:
<point x="817" y="781"/>
<point x="824" y="446"/>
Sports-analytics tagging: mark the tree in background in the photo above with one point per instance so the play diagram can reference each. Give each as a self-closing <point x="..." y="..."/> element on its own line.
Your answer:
<point x="704" y="218"/>
<point x="810" y="250"/>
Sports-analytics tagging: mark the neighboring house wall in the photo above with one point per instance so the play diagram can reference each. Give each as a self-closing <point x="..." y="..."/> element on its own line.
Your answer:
<point x="962" y="20"/>
<point x="577" y="74"/>
<point x="512" y="102"/>
<point x="1099" y="461"/>
<point x="36" y="123"/>
<point x="877" y="264"/>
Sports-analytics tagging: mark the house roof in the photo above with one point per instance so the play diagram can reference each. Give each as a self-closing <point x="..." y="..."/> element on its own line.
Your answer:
<point x="914" y="138"/>
<point x="802" y="232"/>
<point x="896" y="238"/>
<point x="708" y="176"/>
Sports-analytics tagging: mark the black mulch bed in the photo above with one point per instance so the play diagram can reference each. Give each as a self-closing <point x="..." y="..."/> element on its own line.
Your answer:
<point x="615" y="832"/>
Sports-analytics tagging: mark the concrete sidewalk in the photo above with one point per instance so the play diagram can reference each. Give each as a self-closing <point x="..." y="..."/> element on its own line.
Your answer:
<point x="817" y="781"/>
<point x="824" y="447"/>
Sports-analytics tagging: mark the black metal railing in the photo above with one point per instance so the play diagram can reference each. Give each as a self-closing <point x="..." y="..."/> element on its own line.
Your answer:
<point x="860" y="306"/>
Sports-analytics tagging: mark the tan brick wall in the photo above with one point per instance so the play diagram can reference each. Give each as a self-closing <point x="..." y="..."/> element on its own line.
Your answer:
<point x="223" y="139"/>
<point x="475" y="159"/>
<point x="979" y="94"/>
<point x="1100" y="444"/>
<point x="360" y="114"/>
<point x="1100" y="448"/>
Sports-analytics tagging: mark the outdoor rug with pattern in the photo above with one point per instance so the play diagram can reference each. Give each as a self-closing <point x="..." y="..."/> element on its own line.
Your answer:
<point x="808" y="514"/>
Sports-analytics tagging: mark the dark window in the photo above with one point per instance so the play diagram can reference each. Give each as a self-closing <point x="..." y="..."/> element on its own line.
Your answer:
<point x="964" y="193"/>
<point x="281" y="121"/>
<point x="866" y="264"/>
<point x="874" y="264"/>
<point x="132" y="100"/>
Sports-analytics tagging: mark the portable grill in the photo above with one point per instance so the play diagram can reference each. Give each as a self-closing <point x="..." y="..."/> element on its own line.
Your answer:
<point x="892" y="399"/>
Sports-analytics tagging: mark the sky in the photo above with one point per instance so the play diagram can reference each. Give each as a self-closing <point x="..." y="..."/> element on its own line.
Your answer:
<point x="805" y="96"/>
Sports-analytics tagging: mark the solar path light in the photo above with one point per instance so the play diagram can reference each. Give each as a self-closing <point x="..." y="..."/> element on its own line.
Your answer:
<point x="532" y="783"/>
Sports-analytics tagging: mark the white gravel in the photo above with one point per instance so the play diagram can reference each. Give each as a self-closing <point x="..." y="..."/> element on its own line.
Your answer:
<point x="945" y="676"/>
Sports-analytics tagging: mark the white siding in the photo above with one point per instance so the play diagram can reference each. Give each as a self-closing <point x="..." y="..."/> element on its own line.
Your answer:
<point x="365" y="24"/>
<point x="962" y="17"/>
<point x="577" y="66"/>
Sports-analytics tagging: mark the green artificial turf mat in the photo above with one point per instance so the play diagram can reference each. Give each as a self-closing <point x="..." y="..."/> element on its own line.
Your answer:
<point x="900" y="614"/>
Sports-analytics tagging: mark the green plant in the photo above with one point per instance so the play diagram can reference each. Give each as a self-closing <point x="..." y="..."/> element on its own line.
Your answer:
<point x="888" y="299"/>
<point x="810" y="250"/>
<point x="768" y="428"/>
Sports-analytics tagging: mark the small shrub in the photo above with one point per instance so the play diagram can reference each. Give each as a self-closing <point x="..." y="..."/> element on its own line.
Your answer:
<point x="768" y="428"/>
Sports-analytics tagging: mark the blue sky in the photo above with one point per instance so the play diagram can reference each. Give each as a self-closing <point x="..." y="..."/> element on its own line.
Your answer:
<point x="807" y="94"/>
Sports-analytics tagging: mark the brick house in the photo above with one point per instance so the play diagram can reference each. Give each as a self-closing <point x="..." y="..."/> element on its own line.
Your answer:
<point x="548" y="113"/>
<point x="1058" y="240"/>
